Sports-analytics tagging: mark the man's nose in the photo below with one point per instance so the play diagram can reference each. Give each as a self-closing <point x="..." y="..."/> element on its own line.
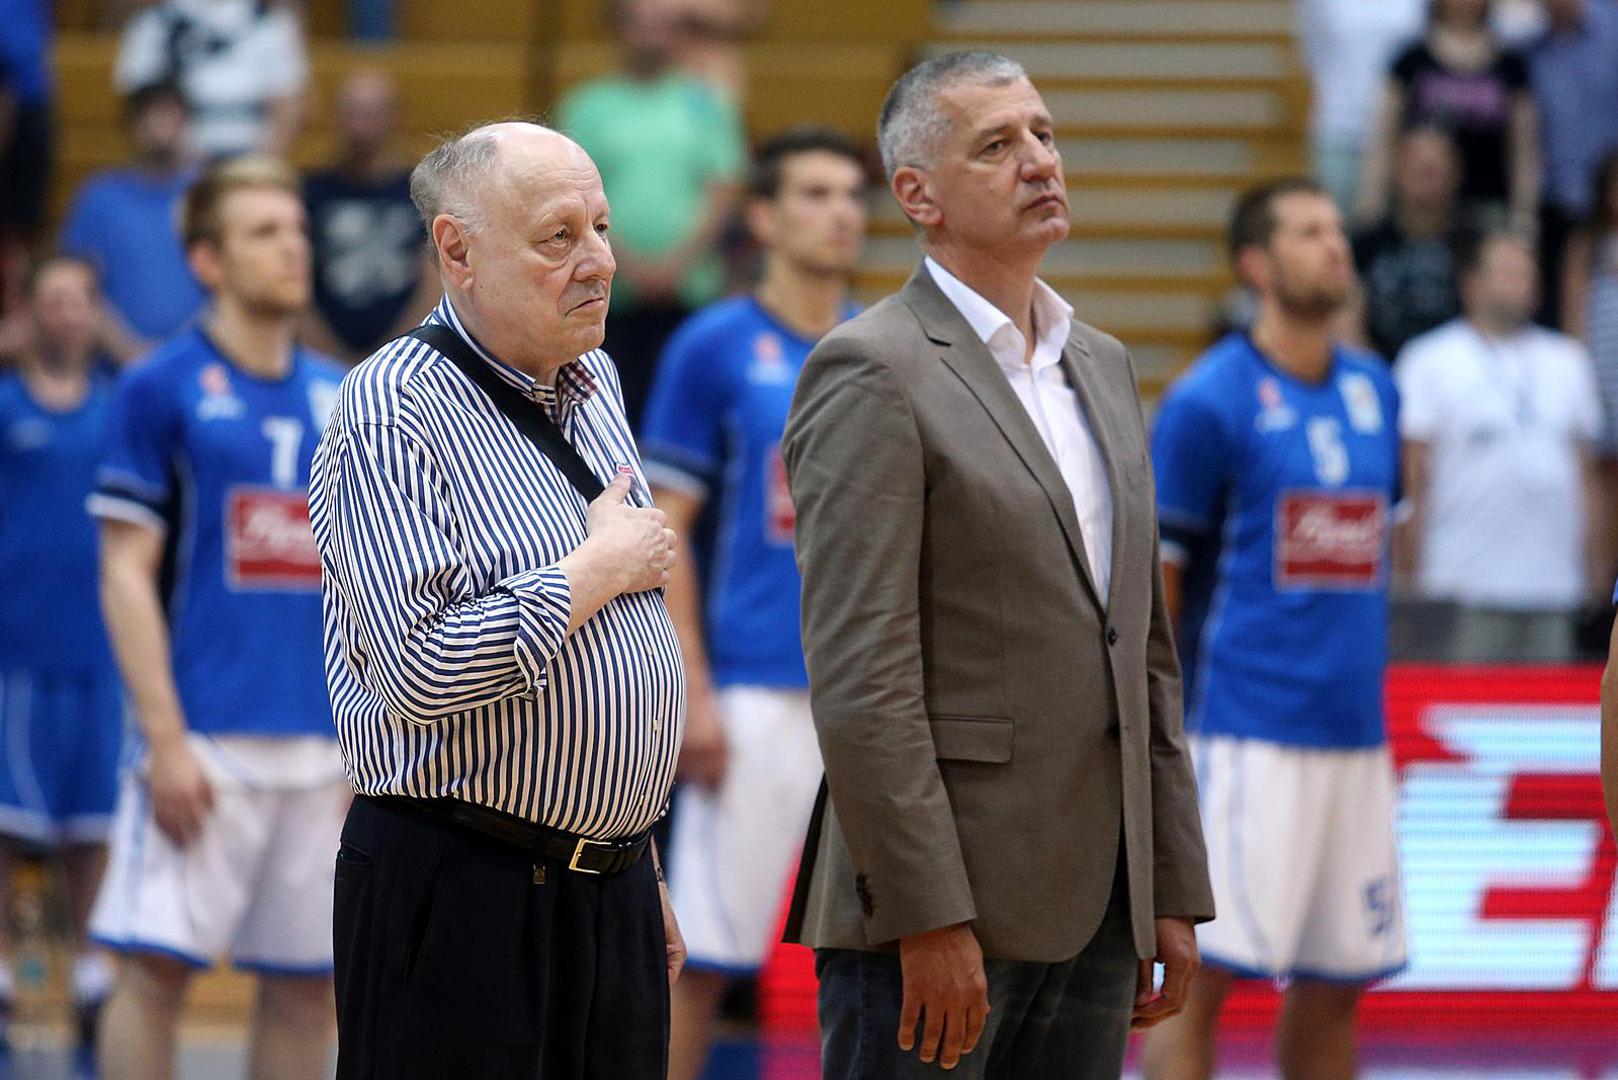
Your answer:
<point x="597" y="260"/>
<point x="1039" y="160"/>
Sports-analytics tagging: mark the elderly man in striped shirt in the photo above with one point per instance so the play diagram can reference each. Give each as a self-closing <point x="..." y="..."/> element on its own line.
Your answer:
<point x="505" y="679"/>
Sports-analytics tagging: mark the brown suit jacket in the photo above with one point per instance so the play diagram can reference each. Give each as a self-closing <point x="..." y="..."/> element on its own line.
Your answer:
<point x="990" y="731"/>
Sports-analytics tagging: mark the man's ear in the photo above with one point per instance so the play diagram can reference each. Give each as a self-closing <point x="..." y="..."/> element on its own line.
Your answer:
<point x="915" y="196"/>
<point x="204" y="259"/>
<point x="757" y="215"/>
<point x="450" y="237"/>
<point x="1253" y="267"/>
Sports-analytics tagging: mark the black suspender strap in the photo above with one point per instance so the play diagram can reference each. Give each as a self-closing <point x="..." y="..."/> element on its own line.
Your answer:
<point x="529" y="417"/>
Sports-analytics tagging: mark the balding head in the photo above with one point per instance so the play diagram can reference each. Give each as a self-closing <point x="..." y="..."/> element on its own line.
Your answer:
<point x="519" y="220"/>
<point x="456" y="177"/>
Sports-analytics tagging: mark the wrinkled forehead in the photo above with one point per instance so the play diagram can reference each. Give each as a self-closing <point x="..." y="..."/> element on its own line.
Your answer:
<point x="527" y="187"/>
<point x="975" y="109"/>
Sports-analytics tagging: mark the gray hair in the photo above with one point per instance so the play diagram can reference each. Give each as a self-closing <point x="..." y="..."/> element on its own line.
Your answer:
<point x="442" y="183"/>
<point x="911" y="122"/>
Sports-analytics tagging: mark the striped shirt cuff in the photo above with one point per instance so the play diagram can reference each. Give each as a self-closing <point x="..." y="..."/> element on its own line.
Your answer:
<point x="544" y="608"/>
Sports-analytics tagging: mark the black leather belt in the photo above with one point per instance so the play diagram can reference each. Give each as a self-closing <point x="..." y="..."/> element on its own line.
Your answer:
<point x="580" y="854"/>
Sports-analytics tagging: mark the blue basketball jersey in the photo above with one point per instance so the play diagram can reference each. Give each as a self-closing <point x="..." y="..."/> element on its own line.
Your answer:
<point x="713" y="427"/>
<point x="50" y="612"/>
<point x="218" y="459"/>
<point x="1278" y="495"/>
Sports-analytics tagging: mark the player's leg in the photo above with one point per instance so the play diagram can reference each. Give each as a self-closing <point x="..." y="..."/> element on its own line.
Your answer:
<point x="137" y="1038"/>
<point x="93" y="972"/>
<point x="1182" y="1048"/>
<point x="294" y="1026"/>
<point x="1315" y="1038"/>
<point x="286" y="933"/>
<point x="732" y="855"/>
<point x="1354" y="934"/>
<point x="168" y="910"/>
<point x="86" y="773"/>
<point x="1262" y="856"/>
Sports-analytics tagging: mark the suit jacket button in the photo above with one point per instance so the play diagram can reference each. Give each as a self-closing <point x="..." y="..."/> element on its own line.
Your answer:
<point x="1112" y="635"/>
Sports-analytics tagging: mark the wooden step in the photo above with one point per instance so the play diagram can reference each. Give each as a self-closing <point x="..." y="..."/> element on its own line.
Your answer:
<point x="1144" y="257"/>
<point x="1119" y="19"/>
<point x="490" y="80"/>
<point x="1167" y="61"/>
<point x="1268" y="111"/>
<point x="1231" y="158"/>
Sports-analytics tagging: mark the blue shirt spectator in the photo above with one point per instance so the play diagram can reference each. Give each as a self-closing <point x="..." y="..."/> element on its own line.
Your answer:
<point x="123" y="221"/>
<point x="1573" y="69"/>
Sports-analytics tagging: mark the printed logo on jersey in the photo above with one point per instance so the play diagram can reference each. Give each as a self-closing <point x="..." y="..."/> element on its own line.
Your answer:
<point x="218" y="402"/>
<point x="1364" y="407"/>
<point x="268" y="541"/>
<point x="780" y="517"/>
<point x="1329" y="540"/>
<point x="1274" y="412"/>
<point x="769" y="361"/>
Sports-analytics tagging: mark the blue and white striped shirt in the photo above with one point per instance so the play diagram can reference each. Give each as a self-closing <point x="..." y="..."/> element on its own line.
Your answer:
<point x="451" y="671"/>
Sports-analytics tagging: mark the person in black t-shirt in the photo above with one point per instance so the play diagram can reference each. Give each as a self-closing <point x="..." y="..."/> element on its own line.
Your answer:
<point x="1459" y="78"/>
<point x="373" y="279"/>
<point x="1406" y="262"/>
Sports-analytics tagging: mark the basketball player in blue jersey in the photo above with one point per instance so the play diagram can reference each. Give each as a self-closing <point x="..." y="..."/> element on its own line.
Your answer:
<point x="713" y="424"/>
<point x="229" y="814"/>
<point x="61" y="708"/>
<point x="1277" y="467"/>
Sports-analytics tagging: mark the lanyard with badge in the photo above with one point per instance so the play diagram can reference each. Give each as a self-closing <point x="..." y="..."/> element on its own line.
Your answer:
<point x="1508" y="373"/>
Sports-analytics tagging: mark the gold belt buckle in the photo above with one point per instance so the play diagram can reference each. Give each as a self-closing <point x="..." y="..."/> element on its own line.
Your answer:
<point x="578" y="852"/>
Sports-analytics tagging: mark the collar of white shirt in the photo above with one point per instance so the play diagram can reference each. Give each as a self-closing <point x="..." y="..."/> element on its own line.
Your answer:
<point x="1053" y="320"/>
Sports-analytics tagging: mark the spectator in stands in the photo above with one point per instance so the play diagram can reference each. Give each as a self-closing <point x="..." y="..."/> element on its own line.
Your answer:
<point x="1348" y="45"/>
<point x="63" y="714"/>
<point x="1574" y="72"/>
<point x="708" y="44"/>
<point x="671" y="152"/>
<point x="1458" y="77"/>
<point x="373" y="276"/>
<point x="1498" y="417"/>
<point x="240" y="63"/>
<point x="25" y="138"/>
<point x="1407" y="262"/>
<point x="1590" y="313"/>
<point x="123" y="220"/>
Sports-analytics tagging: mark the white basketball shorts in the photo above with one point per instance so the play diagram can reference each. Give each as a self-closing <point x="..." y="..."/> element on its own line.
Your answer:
<point x="256" y="885"/>
<point x="1303" y="859"/>
<point x="734" y="848"/>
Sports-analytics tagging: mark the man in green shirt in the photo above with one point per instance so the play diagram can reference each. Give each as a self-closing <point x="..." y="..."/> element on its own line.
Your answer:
<point x="671" y="151"/>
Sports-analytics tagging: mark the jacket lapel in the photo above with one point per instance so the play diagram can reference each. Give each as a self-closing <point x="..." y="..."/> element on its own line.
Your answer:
<point x="1079" y="366"/>
<point x="969" y="358"/>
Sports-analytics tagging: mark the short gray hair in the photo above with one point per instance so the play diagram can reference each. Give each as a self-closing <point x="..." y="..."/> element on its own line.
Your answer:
<point x="911" y="122"/>
<point x="441" y="183"/>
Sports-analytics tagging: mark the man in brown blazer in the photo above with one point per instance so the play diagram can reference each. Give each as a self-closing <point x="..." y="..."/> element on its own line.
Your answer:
<point x="1012" y="835"/>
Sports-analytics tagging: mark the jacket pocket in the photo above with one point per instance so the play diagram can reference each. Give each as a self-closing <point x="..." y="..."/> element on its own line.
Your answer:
<point x="972" y="738"/>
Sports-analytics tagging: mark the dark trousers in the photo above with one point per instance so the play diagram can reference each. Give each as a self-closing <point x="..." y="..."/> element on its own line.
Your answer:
<point x="1556" y="227"/>
<point x="1064" y="1021"/>
<point x="458" y="956"/>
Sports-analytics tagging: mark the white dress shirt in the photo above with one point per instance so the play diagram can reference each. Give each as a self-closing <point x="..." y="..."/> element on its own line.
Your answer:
<point x="1052" y="404"/>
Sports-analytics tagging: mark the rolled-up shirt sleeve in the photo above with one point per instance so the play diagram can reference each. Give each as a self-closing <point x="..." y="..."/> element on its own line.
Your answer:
<point x="414" y="631"/>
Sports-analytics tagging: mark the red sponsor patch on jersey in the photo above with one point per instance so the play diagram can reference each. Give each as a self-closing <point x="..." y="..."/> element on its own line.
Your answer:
<point x="1330" y="540"/>
<point x="268" y="541"/>
<point x="780" y="516"/>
